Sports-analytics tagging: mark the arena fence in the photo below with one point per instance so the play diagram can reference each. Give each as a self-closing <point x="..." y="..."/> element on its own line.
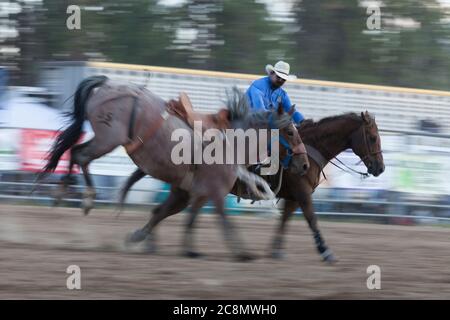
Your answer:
<point x="263" y="208"/>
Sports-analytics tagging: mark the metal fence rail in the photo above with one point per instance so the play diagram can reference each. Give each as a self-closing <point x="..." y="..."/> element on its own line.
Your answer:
<point x="254" y="209"/>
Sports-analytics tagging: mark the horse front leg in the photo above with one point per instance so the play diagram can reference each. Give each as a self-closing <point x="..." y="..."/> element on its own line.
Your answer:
<point x="188" y="241"/>
<point x="232" y="238"/>
<point x="277" y="245"/>
<point x="311" y="218"/>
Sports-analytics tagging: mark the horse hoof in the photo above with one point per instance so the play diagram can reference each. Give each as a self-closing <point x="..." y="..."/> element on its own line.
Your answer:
<point x="150" y="245"/>
<point x="278" y="254"/>
<point x="135" y="237"/>
<point x="87" y="205"/>
<point x="86" y="210"/>
<point x="244" y="257"/>
<point x="118" y="212"/>
<point x="88" y="200"/>
<point x="59" y="195"/>
<point x="192" y="254"/>
<point x="56" y="202"/>
<point x="329" y="257"/>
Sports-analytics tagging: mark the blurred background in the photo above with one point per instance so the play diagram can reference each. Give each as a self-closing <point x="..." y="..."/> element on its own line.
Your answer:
<point x="399" y="73"/>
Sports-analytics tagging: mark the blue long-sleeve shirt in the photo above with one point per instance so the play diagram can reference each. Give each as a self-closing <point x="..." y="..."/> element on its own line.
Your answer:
<point x="263" y="97"/>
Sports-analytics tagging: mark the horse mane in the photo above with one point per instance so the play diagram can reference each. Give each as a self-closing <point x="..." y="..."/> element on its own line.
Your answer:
<point x="237" y="104"/>
<point x="317" y="130"/>
<point x="238" y="108"/>
<point x="310" y="123"/>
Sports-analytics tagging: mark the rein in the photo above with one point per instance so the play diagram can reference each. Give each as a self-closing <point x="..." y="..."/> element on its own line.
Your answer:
<point x="363" y="175"/>
<point x="287" y="159"/>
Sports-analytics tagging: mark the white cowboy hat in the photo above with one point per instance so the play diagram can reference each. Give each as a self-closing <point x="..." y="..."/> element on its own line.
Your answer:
<point x="281" y="69"/>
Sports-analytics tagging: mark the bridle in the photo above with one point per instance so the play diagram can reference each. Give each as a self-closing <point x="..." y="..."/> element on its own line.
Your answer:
<point x="282" y="140"/>
<point x="367" y="145"/>
<point x="368" y="153"/>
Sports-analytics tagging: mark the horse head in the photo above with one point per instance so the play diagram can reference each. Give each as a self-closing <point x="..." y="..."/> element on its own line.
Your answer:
<point x="366" y="143"/>
<point x="293" y="154"/>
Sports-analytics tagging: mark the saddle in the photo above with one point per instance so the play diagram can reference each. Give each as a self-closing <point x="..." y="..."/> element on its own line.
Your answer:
<point x="181" y="108"/>
<point x="184" y="110"/>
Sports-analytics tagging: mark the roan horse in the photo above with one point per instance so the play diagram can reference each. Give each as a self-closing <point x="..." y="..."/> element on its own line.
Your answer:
<point x="324" y="140"/>
<point x="137" y="119"/>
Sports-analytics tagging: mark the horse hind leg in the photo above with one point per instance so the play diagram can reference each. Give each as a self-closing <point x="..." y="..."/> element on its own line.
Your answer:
<point x="82" y="155"/>
<point x="65" y="182"/>
<point x="177" y="201"/>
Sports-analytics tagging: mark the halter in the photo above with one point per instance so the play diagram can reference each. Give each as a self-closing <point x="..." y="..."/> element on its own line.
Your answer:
<point x="368" y="154"/>
<point x="367" y="146"/>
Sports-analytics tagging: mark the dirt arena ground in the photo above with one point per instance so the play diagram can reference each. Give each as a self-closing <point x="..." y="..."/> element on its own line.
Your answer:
<point x="37" y="244"/>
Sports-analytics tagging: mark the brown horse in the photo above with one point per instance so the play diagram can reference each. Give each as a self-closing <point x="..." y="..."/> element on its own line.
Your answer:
<point x="324" y="140"/>
<point x="131" y="116"/>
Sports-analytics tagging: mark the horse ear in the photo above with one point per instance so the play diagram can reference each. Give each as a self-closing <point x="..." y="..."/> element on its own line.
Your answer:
<point x="365" y="116"/>
<point x="368" y="117"/>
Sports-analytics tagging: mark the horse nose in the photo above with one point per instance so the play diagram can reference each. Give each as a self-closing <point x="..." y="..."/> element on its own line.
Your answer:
<point x="378" y="168"/>
<point x="305" y="167"/>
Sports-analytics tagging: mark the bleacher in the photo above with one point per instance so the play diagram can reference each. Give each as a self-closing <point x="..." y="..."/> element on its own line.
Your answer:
<point x="395" y="108"/>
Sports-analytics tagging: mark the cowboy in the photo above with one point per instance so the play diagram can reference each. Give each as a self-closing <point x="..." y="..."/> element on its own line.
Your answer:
<point x="265" y="93"/>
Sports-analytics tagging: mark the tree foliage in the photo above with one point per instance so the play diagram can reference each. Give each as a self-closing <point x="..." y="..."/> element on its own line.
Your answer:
<point x="321" y="39"/>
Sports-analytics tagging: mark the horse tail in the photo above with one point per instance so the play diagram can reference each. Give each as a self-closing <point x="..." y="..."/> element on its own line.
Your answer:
<point x="70" y="136"/>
